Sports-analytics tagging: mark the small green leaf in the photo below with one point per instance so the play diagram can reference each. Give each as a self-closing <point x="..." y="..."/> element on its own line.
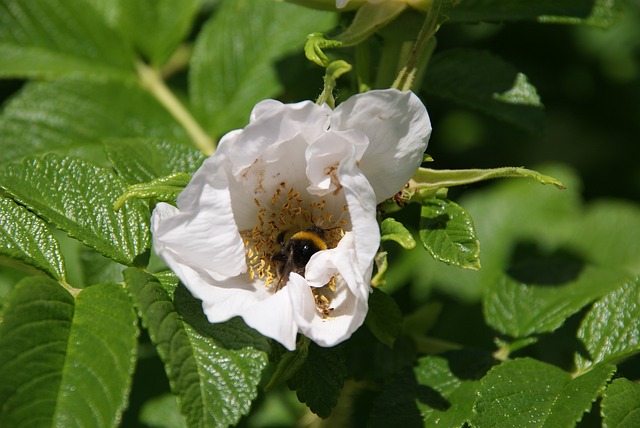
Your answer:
<point x="75" y="116"/>
<point x="448" y="233"/>
<point x="522" y="92"/>
<point x="164" y="189"/>
<point x="520" y="310"/>
<point x="210" y="367"/>
<point x="319" y="381"/>
<point x="621" y="404"/>
<point x="52" y="38"/>
<point x="384" y="318"/>
<point x="471" y="78"/>
<point x="60" y="355"/>
<point x="78" y="198"/>
<point x="156" y="27"/>
<point x="610" y="330"/>
<point x="97" y="268"/>
<point x="141" y="160"/>
<point x="232" y="66"/>
<point x="393" y="230"/>
<point x="26" y="238"/>
<point x="542" y="396"/>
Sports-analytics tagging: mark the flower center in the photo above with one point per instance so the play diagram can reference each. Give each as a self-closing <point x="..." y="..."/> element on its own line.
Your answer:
<point x="289" y="230"/>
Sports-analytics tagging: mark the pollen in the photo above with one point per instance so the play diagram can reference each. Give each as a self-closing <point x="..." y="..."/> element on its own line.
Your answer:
<point x="281" y="215"/>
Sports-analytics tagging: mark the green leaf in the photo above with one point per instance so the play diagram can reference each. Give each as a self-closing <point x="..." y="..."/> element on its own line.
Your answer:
<point x="448" y="233"/>
<point x="610" y="331"/>
<point x="156" y="27"/>
<point x="75" y="115"/>
<point x="210" y="367"/>
<point x="97" y="268"/>
<point x="384" y="318"/>
<point x="53" y="38"/>
<point x="78" y="198"/>
<point x="609" y="234"/>
<point x="542" y="396"/>
<point x="233" y="62"/>
<point x="393" y="230"/>
<point x="512" y="10"/>
<point x="319" y="381"/>
<point x="621" y="404"/>
<point x="141" y="160"/>
<point x="162" y="411"/>
<point x="164" y="189"/>
<point x="480" y="80"/>
<point x="451" y="381"/>
<point x="65" y="363"/>
<point x="26" y="238"/>
<point x="520" y="310"/>
<point x="289" y="362"/>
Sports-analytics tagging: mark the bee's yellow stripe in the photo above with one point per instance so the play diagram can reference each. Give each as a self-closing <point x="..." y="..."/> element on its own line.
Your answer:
<point x="311" y="236"/>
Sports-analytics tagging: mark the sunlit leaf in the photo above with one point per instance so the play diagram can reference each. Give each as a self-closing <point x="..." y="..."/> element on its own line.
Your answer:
<point x="26" y="238"/>
<point x="611" y="329"/>
<point x="52" y="38"/>
<point x="621" y="404"/>
<point x="233" y="63"/>
<point x="65" y="362"/>
<point x="76" y="115"/>
<point x="78" y="198"/>
<point x="543" y="396"/>
<point x="212" y="368"/>
<point x="519" y="310"/>
<point x="448" y="233"/>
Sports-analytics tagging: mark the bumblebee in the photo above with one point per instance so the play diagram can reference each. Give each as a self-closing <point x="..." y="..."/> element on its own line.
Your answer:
<point x="295" y="253"/>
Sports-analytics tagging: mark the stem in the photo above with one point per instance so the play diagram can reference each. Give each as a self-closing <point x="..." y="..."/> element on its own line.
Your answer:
<point x="151" y="79"/>
<point x="405" y="78"/>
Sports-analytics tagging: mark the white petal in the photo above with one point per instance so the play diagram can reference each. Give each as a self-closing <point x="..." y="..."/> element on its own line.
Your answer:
<point x="202" y="232"/>
<point x="350" y="301"/>
<point x="398" y="127"/>
<point x="325" y="154"/>
<point x="362" y="210"/>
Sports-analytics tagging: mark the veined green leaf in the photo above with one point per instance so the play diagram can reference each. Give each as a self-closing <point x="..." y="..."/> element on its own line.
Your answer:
<point x="484" y="82"/>
<point x="157" y="26"/>
<point x="210" y="367"/>
<point x="621" y="404"/>
<point x="65" y="362"/>
<point x="51" y="38"/>
<point x="319" y="381"/>
<point x="233" y="62"/>
<point x="542" y="396"/>
<point x="78" y="198"/>
<point x="611" y="329"/>
<point x="520" y="310"/>
<point x="142" y="160"/>
<point x="448" y="233"/>
<point x="165" y="189"/>
<point x="26" y="238"/>
<point x="76" y="115"/>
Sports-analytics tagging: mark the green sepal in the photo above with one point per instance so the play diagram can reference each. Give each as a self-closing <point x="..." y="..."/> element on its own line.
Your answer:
<point x="381" y="265"/>
<point x="165" y="189"/>
<point x="426" y="182"/>
<point x="314" y="45"/>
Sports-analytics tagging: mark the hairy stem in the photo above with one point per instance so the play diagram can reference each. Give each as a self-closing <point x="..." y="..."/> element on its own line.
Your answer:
<point x="152" y="80"/>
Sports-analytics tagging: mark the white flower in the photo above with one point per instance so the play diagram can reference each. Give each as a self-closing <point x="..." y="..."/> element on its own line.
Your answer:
<point x="293" y="168"/>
